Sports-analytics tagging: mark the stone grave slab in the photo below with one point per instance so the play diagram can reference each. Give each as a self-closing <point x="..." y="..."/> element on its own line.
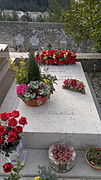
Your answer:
<point x="68" y="116"/>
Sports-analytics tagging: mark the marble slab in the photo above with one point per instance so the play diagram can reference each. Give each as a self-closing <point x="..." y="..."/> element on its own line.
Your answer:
<point x="68" y="116"/>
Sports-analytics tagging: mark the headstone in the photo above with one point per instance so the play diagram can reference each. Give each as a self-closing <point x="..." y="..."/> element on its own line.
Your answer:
<point x="68" y="116"/>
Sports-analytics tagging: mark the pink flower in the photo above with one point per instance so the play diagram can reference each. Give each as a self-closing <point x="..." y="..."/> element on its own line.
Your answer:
<point x="21" y="89"/>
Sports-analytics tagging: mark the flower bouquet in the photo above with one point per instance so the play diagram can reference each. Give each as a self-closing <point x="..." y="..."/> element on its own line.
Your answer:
<point x="10" y="134"/>
<point x="56" y="57"/>
<point x="74" y="85"/>
<point x="61" y="157"/>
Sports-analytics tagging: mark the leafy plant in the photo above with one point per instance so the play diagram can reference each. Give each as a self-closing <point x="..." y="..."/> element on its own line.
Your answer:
<point x="37" y="89"/>
<point x="83" y="22"/>
<point x="25" y="70"/>
<point x="45" y="174"/>
<point x="33" y="68"/>
<point x="20" y="69"/>
<point x="94" y="156"/>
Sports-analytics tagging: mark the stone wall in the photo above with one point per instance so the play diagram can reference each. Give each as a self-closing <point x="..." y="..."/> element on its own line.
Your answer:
<point x="38" y="35"/>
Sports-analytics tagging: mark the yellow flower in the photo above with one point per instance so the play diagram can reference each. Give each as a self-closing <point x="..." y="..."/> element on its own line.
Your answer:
<point x="46" y="81"/>
<point x="37" y="178"/>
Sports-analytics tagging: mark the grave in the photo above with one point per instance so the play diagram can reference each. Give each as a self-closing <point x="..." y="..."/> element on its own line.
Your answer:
<point x="68" y="116"/>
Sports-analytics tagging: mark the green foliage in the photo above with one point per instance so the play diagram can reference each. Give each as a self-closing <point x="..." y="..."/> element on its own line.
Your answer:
<point x="94" y="156"/>
<point x="15" y="174"/>
<point x="38" y="88"/>
<point x="24" y="5"/>
<point x="46" y="174"/>
<point x="33" y="68"/>
<point x="55" y="7"/>
<point x="83" y="21"/>
<point x="21" y="74"/>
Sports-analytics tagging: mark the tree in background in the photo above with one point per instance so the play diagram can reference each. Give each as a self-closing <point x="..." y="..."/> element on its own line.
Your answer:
<point x="83" y="21"/>
<point x="55" y="7"/>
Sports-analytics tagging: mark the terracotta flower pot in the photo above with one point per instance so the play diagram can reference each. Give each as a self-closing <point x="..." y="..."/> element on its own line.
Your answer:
<point x="89" y="163"/>
<point x="34" y="103"/>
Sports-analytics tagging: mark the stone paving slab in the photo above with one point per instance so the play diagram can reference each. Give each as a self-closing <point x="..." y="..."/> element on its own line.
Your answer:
<point x="36" y="157"/>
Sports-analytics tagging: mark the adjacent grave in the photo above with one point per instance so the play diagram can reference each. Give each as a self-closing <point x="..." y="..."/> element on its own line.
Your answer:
<point x="68" y="116"/>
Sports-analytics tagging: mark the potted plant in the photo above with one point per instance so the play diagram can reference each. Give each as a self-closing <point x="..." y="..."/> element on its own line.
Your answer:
<point x="34" y="87"/>
<point x="37" y="92"/>
<point x="10" y="135"/>
<point x="14" y="171"/>
<point x="56" y="57"/>
<point x="93" y="157"/>
<point x="74" y="85"/>
<point x="61" y="157"/>
<point x="45" y="174"/>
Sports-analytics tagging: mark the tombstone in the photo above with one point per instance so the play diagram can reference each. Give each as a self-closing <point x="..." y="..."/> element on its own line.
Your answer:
<point x="68" y="117"/>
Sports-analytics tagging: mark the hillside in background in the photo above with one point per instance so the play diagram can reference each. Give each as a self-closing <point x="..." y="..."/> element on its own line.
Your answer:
<point x="24" y="5"/>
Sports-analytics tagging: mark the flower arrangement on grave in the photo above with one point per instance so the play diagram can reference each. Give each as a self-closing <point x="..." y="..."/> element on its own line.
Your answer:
<point x="56" y="57"/>
<point x="61" y="157"/>
<point x="34" y="87"/>
<point x="14" y="171"/>
<point x="11" y="128"/>
<point x="93" y="157"/>
<point x="45" y="174"/>
<point x="74" y="85"/>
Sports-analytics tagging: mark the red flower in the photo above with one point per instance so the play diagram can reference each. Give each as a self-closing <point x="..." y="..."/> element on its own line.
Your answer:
<point x="39" y="98"/>
<point x="14" y="130"/>
<point x="66" y="82"/>
<point x="12" y="137"/>
<point x="2" y="129"/>
<point x="80" y="85"/>
<point x="19" y="129"/>
<point x="8" y="167"/>
<point x="1" y="140"/>
<point x="23" y="121"/>
<point x="15" y="113"/>
<point x="12" y="122"/>
<point x="4" y="116"/>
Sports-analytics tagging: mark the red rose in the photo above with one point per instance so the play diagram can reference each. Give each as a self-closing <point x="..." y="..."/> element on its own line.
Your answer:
<point x="15" y="113"/>
<point x="1" y="140"/>
<point x="19" y="129"/>
<point x="8" y="167"/>
<point x="14" y="130"/>
<point x="23" y="121"/>
<point x="12" y="122"/>
<point x="12" y="137"/>
<point x="4" y="116"/>
<point x="2" y="129"/>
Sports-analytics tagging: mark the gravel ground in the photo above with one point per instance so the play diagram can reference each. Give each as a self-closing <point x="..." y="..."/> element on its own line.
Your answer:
<point x="95" y="79"/>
